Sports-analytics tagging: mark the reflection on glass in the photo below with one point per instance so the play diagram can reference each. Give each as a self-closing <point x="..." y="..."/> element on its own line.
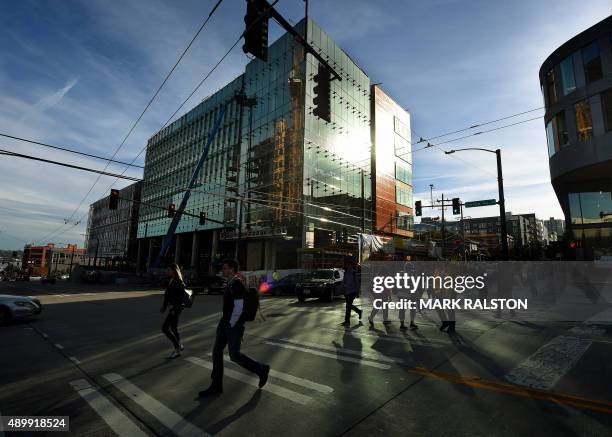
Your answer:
<point x="591" y="207"/>
<point x="592" y="62"/>
<point x="550" y="87"/>
<point x="606" y="103"/>
<point x="403" y="196"/>
<point x="550" y="139"/>
<point x="562" y="135"/>
<point x="584" y="123"/>
<point x="403" y="173"/>
<point x="568" y="80"/>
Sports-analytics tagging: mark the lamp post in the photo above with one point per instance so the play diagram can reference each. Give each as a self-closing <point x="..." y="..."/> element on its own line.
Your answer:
<point x="500" y="187"/>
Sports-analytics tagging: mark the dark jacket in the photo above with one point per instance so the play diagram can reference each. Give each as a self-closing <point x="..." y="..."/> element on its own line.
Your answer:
<point x="175" y="293"/>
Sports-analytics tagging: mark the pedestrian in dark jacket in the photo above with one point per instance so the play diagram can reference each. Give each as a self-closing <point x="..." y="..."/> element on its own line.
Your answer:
<point x="351" y="283"/>
<point x="230" y="331"/>
<point x="174" y="297"/>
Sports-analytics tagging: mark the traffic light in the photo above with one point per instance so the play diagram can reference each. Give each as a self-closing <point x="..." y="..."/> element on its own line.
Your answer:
<point x="202" y="218"/>
<point x="418" y="208"/>
<point x="256" y="31"/>
<point x="171" y="210"/>
<point x="113" y="200"/>
<point x="456" y="206"/>
<point x="322" y="94"/>
<point x="575" y="244"/>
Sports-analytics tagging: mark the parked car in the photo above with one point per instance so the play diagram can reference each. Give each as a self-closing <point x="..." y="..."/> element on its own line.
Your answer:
<point x="17" y="307"/>
<point x="48" y="280"/>
<point x="286" y="285"/>
<point x="210" y="284"/>
<point x="325" y="284"/>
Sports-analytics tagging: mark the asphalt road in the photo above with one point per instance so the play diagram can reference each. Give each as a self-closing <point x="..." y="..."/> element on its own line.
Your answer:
<point x="98" y="356"/>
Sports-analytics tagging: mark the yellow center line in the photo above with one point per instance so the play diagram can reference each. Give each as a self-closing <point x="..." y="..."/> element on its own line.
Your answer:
<point x="526" y="392"/>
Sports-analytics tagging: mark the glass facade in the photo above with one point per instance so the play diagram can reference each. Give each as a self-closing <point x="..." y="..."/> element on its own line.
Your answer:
<point x="562" y="134"/>
<point x="337" y="154"/>
<point x="281" y="167"/>
<point x="568" y="78"/>
<point x="551" y="91"/>
<point x="590" y="207"/>
<point x="606" y="103"/>
<point x="550" y="138"/>
<point x="584" y="123"/>
<point x="403" y="172"/>
<point x="403" y="196"/>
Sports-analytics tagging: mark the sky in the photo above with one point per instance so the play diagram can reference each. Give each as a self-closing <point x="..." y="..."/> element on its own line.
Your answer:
<point x="78" y="74"/>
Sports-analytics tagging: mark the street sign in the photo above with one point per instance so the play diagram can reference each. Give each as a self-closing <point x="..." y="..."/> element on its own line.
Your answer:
<point x="476" y="203"/>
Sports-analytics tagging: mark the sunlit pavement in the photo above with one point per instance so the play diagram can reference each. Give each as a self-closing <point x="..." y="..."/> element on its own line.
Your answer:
<point x="99" y="357"/>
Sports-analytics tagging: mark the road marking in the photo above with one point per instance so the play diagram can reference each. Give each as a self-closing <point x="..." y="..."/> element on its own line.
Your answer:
<point x="395" y="338"/>
<point x="297" y="380"/>
<point x="254" y="381"/>
<point x="74" y="360"/>
<point x="59" y="346"/>
<point x="119" y="422"/>
<point x="531" y="393"/>
<point x="335" y="356"/>
<point x="329" y="347"/>
<point x="170" y="419"/>
<point x="546" y="366"/>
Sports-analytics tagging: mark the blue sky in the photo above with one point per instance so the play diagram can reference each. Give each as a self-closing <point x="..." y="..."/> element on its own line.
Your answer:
<point x="79" y="73"/>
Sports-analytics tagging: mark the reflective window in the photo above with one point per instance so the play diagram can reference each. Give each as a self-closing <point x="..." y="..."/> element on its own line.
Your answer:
<point x="568" y="80"/>
<point x="550" y="138"/>
<point x="403" y="196"/>
<point x="591" y="207"/>
<point x="403" y="220"/>
<point x="592" y="62"/>
<point x="606" y="103"/>
<point x="562" y="135"/>
<point x="403" y="173"/>
<point x="550" y="87"/>
<point x="584" y="123"/>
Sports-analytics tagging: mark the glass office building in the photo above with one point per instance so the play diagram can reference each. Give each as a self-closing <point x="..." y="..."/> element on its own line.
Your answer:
<point x="577" y="87"/>
<point x="281" y="187"/>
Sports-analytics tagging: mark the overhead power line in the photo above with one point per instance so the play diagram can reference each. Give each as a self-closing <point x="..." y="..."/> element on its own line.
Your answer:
<point x="69" y="150"/>
<point x="213" y="10"/>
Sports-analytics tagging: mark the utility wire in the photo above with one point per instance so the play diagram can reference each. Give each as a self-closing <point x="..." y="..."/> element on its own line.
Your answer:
<point x="142" y="114"/>
<point x="69" y="150"/>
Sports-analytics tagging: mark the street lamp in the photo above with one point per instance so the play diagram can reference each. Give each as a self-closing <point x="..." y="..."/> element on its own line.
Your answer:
<point x="500" y="186"/>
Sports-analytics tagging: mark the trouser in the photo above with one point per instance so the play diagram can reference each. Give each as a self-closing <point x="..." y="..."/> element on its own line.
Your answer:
<point x="232" y="338"/>
<point x="386" y="297"/>
<point x="350" y="298"/>
<point x="170" y="326"/>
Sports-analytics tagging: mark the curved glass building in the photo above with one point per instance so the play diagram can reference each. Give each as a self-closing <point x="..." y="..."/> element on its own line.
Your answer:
<point x="576" y="81"/>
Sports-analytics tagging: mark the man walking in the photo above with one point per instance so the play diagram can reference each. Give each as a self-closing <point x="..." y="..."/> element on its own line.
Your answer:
<point x="230" y="331"/>
<point x="351" y="289"/>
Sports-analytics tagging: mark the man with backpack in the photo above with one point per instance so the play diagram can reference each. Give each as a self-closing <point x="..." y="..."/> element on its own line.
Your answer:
<point x="239" y="305"/>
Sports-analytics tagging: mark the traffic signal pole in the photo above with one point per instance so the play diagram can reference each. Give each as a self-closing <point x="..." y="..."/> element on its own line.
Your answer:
<point x="502" y="207"/>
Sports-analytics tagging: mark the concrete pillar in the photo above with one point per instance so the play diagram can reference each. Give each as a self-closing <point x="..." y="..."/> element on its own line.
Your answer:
<point x="150" y="255"/>
<point x="270" y="255"/>
<point x="139" y="257"/>
<point x="194" y="255"/>
<point x="214" y="247"/>
<point x="177" y="250"/>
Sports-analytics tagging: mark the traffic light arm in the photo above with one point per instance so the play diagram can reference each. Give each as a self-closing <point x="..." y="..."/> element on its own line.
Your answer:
<point x="309" y="49"/>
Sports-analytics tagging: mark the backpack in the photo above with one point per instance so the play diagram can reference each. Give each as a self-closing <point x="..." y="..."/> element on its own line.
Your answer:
<point x="251" y="301"/>
<point x="189" y="297"/>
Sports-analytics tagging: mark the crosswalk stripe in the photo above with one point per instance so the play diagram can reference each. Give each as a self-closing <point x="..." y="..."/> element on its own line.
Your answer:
<point x="546" y="366"/>
<point x="431" y="342"/>
<point x="335" y="356"/>
<point x="297" y="380"/>
<point x="329" y="347"/>
<point x="170" y="419"/>
<point x="113" y="416"/>
<point x="254" y="381"/>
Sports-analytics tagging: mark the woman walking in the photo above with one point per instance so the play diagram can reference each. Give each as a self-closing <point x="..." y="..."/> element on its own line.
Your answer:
<point x="174" y="297"/>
